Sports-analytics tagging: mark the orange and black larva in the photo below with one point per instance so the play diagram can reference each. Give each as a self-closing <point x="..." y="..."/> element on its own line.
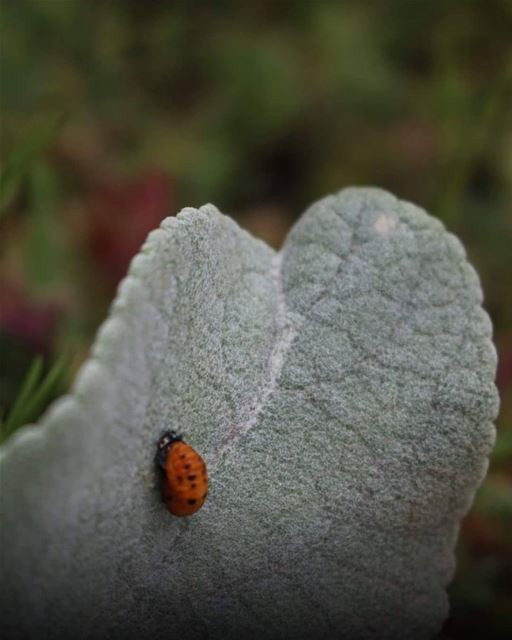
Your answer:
<point x="186" y="480"/>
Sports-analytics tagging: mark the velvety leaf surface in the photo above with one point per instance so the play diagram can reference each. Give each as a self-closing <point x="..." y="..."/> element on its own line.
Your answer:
<point x="341" y="392"/>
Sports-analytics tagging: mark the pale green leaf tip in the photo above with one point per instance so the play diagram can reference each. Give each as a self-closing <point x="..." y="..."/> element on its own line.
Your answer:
<point x="341" y="392"/>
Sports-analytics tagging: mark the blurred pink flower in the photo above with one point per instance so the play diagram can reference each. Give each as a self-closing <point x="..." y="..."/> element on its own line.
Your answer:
<point x="121" y="214"/>
<point x="504" y="374"/>
<point x="31" y="321"/>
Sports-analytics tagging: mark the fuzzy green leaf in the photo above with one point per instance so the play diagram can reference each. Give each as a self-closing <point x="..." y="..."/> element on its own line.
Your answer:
<point x="341" y="392"/>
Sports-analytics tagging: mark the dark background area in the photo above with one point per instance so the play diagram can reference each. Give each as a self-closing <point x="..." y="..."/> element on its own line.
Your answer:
<point x="116" y="114"/>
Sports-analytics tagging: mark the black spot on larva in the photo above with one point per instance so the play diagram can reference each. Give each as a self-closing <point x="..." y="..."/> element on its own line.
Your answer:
<point x="183" y="456"/>
<point x="192" y="501"/>
<point x="192" y="477"/>
<point x="193" y="485"/>
<point x="188" y="465"/>
<point x="180" y="478"/>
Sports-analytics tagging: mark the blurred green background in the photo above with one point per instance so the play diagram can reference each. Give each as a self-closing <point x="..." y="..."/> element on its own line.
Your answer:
<point x="117" y="113"/>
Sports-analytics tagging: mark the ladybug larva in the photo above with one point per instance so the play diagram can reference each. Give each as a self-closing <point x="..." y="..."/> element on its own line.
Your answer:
<point x="186" y="479"/>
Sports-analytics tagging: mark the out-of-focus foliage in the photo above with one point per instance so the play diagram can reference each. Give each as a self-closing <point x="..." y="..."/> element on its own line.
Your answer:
<point x="35" y="394"/>
<point x="128" y="110"/>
